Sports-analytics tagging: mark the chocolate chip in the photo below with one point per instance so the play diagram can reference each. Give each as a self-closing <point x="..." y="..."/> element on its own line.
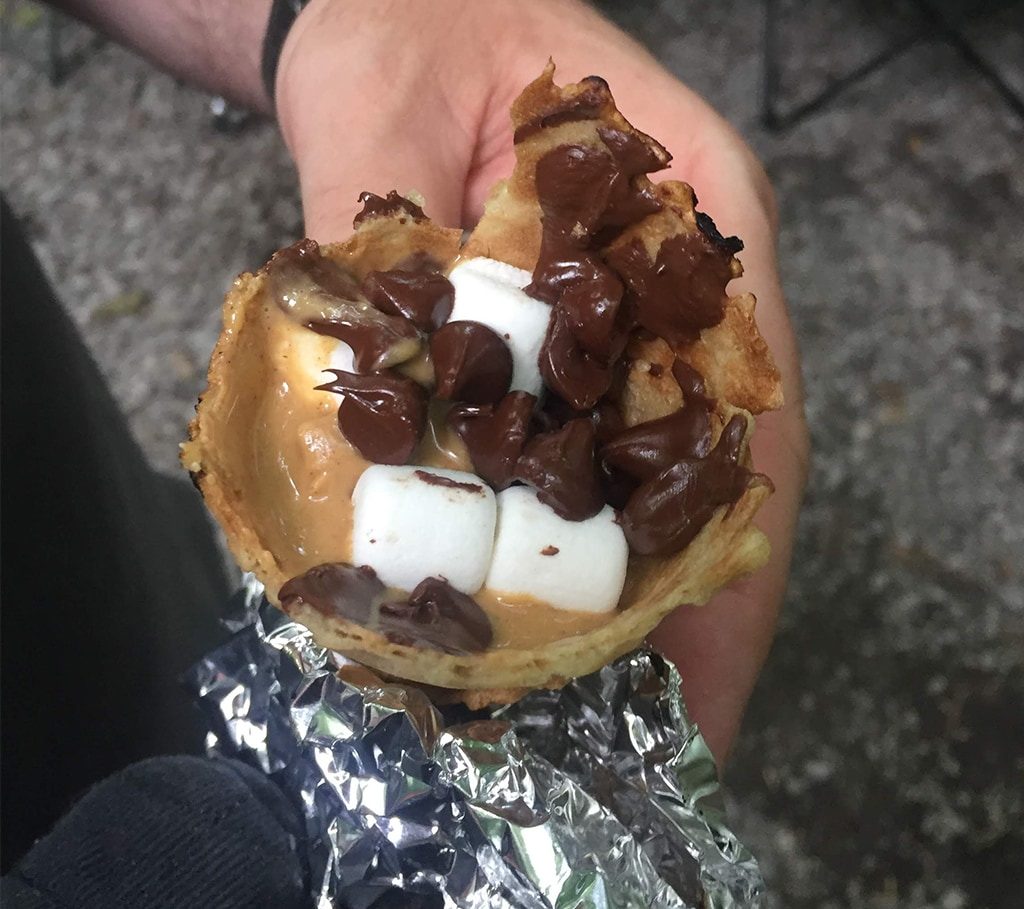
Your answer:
<point x="494" y="436"/>
<point x="568" y="370"/>
<point x="560" y="466"/>
<point x="669" y="510"/>
<point x="382" y="415"/>
<point x="335" y="589"/>
<point x="645" y="450"/>
<point x="472" y="364"/>
<point x="437" y="615"/>
<point x="320" y="294"/>
<point x="423" y="297"/>
<point x="682" y="291"/>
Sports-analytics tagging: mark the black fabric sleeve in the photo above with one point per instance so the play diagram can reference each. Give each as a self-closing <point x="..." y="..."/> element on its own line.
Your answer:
<point x="169" y="833"/>
<point x="112" y="583"/>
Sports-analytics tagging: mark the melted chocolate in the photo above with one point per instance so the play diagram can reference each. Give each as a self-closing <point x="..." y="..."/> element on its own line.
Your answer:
<point x="495" y="436"/>
<point x="573" y="187"/>
<point x="691" y="383"/>
<point x="668" y="511"/>
<point x="471" y="363"/>
<point x="375" y="206"/>
<point x="628" y="203"/>
<point x="422" y="295"/>
<point x="605" y="416"/>
<point x="649" y="448"/>
<point x="591" y="310"/>
<point x="305" y="258"/>
<point x="382" y="415"/>
<point x="435" y="615"/>
<point x="680" y="293"/>
<point x="323" y="296"/>
<point x="616" y="486"/>
<point x="560" y="466"/>
<point x="433" y="479"/>
<point x="335" y="589"/>
<point x="582" y="190"/>
<point x="584" y="106"/>
<point x="607" y="420"/>
<point x="646" y="449"/>
<point x="439" y="616"/>
<point x="570" y="371"/>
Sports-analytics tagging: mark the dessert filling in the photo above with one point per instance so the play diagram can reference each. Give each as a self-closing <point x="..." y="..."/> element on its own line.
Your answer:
<point x="484" y="490"/>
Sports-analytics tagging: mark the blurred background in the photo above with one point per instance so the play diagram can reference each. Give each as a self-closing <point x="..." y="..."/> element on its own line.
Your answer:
<point x="882" y="762"/>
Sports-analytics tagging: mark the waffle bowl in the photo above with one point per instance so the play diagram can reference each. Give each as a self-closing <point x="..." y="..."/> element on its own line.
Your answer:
<point x="266" y="452"/>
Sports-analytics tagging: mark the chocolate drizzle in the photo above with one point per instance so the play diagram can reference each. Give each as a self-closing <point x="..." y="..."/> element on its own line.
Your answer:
<point x="382" y="415"/>
<point x="375" y="206"/>
<point x="586" y="105"/>
<point x="494" y="436"/>
<point x="560" y="466"/>
<point x="471" y="363"/>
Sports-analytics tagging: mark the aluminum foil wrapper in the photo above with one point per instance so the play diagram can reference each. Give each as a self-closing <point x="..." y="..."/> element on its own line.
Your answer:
<point x="602" y="794"/>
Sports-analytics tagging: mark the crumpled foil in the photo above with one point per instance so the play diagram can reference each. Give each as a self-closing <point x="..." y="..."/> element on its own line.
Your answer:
<point x="598" y="796"/>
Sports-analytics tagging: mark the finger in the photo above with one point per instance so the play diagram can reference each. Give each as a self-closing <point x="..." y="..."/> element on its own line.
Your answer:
<point x="330" y="192"/>
<point x="371" y="118"/>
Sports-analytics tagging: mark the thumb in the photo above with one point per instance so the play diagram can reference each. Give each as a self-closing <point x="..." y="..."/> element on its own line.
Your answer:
<point x="336" y="165"/>
<point x="349" y="130"/>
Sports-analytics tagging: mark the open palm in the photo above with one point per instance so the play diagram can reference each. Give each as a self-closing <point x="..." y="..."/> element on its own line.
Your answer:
<point x="400" y="94"/>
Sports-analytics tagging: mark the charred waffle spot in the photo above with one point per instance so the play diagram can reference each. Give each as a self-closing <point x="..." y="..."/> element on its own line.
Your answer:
<point x="707" y="226"/>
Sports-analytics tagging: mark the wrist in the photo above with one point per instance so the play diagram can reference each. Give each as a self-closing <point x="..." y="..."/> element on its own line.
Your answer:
<point x="232" y="46"/>
<point x="297" y="64"/>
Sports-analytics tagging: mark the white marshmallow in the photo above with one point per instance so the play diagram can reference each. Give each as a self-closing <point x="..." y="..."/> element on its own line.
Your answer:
<point x="491" y="292"/>
<point x="408" y="529"/>
<point x="306" y="355"/>
<point x="341" y="358"/>
<point x="587" y="572"/>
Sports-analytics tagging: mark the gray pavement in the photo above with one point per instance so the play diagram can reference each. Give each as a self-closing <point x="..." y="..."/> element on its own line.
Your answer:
<point x="882" y="763"/>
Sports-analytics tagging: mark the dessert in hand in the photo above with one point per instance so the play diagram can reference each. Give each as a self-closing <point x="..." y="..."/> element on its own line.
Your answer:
<point x="494" y="465"/>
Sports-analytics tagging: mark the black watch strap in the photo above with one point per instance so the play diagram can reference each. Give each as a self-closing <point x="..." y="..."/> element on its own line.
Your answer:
<point x="283" y="14"/>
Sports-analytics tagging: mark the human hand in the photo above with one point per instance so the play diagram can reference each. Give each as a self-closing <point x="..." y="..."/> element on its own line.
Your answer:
<point x="401" y="94"/>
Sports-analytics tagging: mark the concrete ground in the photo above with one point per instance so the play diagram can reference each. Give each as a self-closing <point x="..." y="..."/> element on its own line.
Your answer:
<point x="882" y="763"/>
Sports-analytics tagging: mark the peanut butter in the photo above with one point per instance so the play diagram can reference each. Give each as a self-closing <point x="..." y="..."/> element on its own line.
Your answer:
<point x="304" y="472"/>
<point x="525" y="623"/>
<point x="301" y="469"/>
